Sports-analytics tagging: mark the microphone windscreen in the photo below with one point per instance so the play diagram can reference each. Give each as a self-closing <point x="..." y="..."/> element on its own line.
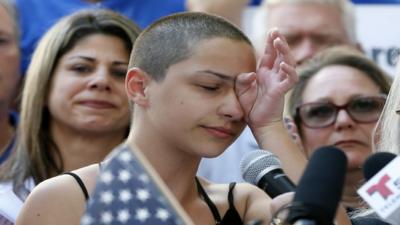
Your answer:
<point x="320" y="188"/>
<point x="374" y="163"/>
<point x="257" y="163"/>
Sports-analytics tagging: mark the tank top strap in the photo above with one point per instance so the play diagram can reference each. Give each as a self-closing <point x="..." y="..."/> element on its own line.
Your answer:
<point x="80" y="183"/>
<point x="208" y="201"/>
<point x="230" y="195"/>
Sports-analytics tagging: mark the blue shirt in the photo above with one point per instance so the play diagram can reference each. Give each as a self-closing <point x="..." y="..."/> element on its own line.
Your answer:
<point x="37" y="16"/>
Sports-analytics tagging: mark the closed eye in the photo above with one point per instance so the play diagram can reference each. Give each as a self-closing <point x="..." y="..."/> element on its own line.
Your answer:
<point x="210" y="88"/>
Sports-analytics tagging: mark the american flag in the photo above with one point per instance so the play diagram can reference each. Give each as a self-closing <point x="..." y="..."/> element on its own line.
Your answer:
<point x="126" y="194"/>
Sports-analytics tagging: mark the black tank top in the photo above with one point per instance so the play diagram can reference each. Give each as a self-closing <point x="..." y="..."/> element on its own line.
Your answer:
<point x="231" y="216"/>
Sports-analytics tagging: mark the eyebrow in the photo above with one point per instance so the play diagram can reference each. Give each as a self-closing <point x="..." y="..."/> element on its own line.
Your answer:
<point x="220" y="75"/>
<point x="93" y="60"/>
<point x="352" y="97"/>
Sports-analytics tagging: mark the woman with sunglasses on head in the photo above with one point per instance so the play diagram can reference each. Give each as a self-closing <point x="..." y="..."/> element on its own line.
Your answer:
<point x="338" y="100"/>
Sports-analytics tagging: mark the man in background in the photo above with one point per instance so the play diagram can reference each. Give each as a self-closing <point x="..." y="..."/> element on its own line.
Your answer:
<point x="308" y="25"/>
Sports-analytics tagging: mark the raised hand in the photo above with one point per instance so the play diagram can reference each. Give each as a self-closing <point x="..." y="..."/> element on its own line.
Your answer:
<point x="261" y="94"/>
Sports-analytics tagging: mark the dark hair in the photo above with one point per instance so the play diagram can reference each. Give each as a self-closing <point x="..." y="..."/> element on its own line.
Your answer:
<point x="173" y="38"/>
<point x="335" y="56"/>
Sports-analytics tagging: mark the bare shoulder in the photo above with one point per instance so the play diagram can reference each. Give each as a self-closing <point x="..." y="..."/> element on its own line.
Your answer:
<point x="58" y="200"/>
<point x="88" y="175"/>
<point x="250" y="191"/>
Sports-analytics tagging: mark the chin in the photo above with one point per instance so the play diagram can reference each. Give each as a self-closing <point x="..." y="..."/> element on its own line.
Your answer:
<point x="101" y="127"/>
<point x="355" y="162"/>
<point x="212" y="151"/>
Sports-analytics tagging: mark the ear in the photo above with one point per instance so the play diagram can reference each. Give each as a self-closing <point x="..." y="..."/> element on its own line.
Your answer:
<point x="135" y="84"/>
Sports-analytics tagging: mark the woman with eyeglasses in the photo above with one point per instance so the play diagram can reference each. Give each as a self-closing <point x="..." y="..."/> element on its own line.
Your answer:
<point x="337" y="101"/>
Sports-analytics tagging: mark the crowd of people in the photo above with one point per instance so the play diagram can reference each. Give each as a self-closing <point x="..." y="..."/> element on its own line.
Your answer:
<point x="186" y="93"/>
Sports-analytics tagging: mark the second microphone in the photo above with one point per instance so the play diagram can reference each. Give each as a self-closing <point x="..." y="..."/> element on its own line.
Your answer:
<point x="263" y="169"/>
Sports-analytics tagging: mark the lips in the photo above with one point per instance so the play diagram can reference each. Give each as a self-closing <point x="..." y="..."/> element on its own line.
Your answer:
<point x="348" y="143"/>
<point x="98" y="104"/>
<point x="220" y="132"/>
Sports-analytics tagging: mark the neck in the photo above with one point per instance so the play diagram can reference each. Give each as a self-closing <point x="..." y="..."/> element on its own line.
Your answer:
<point x="81" y="149"/>
<point x="350" y="198"/>
<point x="175" y="168"/>
<point x="6" y="130"/>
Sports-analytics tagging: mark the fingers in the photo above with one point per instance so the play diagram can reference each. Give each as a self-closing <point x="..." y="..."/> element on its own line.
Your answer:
<point x="284" y="64"/>
<point x="288" y="73"/>
<point x="283" y="51"/>
<point x="279" y="204"/>
<point x="270" y="54"/>
<point x="276" y="51"/>
<point x="244" y="81"/>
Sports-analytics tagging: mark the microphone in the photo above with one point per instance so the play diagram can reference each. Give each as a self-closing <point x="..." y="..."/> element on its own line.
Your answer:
<point x="263" y="169"/>
<point x="382" y="190"/>
<point x="320" y="188"/>
<point x="374" y="163"/>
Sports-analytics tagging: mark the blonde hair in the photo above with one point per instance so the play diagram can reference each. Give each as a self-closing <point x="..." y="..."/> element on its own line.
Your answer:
<point x="387" y="132"/>
<point x="37" y="155"/>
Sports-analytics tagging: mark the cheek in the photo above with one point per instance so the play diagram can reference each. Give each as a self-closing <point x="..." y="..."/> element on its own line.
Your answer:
<point x="314" y="138"/>
<point x="367" y="131"/>
<point x="62" y="90"/>
<point x="120" y="91"/>
<point x="56" y="99"/>
<point x="184" y="108"/>
<point x="9" y="65"/>
<point x="10" y="55"/>
<point x="67" y="85"/>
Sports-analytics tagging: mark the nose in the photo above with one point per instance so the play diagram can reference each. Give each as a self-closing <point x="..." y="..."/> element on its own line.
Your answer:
<point x="231" y="109"/>
<point x="100" y="80"/>
<point x="343" y="120"/>
<point x="304" y="50"/>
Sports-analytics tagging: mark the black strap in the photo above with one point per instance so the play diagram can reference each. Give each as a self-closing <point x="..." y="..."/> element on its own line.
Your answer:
<point x="230" y="195"/>
<point x="80" y="183"/>
<point x="210" y="204"/>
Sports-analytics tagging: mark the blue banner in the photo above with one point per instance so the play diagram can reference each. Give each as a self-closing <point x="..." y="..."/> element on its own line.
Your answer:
<point x="258" y="2"/>
<point x="376" y="1"/>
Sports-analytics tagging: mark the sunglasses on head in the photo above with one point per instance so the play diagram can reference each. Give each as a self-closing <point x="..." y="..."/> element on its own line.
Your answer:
<point x="363" y="109"/>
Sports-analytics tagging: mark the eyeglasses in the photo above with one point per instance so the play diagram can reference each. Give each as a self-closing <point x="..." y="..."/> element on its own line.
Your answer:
<point x="323" y="114"/>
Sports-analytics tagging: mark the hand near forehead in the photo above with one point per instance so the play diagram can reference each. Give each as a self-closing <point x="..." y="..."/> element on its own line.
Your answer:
<point x="261" y="94"/>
